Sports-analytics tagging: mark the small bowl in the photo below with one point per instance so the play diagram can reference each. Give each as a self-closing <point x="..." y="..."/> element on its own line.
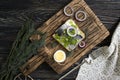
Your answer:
<point x="57" y="55"/>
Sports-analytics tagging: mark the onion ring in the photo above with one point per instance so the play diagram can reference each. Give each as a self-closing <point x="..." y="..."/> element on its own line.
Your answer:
<point x="66" y="12"/>
<point x="83" y="44"/>
<point x="85" y="15"/>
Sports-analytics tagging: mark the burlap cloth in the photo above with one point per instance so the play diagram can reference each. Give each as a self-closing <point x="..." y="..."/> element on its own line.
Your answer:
<point x="103" y="63"/>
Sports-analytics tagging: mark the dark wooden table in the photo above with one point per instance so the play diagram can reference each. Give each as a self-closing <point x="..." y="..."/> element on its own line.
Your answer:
<point x="13" y="13"/>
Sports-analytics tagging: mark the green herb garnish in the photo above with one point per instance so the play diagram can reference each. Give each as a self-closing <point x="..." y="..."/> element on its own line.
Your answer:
<point x="72" y="31"/>
<point x="22" y="49"/>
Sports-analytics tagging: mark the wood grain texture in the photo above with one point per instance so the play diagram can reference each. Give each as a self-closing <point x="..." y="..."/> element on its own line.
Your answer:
<point x="93" y="28"/>
<point x="13" y="14"/>
<point x="95" y="31"/>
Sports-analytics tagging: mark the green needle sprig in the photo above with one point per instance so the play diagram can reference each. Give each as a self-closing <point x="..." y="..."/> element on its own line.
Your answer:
<point x="22" y="49"/>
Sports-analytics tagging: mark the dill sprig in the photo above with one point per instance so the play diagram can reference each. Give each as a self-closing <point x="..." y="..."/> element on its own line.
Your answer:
<point x="22" y="49"/>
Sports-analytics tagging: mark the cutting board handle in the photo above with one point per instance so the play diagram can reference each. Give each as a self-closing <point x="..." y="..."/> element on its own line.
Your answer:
<point x="33" y="63"/>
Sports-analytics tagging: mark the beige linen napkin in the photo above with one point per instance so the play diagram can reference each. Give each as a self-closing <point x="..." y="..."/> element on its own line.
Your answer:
<point x="104" y="62"/>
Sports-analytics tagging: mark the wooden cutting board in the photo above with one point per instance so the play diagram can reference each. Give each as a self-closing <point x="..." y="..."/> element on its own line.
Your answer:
<point x="94" y="30"/>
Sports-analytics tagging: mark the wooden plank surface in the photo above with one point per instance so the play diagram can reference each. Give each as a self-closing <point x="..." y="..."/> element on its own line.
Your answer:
<point x="12" y="17"/>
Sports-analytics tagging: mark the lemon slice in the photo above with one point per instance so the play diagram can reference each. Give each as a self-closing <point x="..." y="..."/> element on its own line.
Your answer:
<point x="59" y="56"/>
